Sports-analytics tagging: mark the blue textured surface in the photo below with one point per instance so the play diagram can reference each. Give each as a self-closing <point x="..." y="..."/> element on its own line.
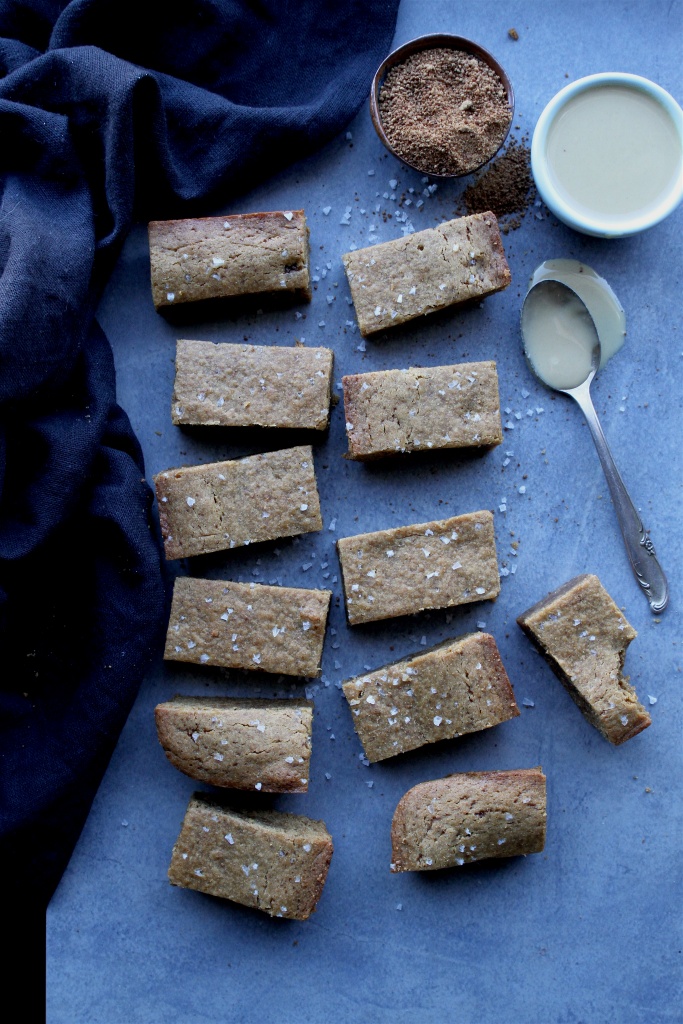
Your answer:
<point x="590" y="930"/>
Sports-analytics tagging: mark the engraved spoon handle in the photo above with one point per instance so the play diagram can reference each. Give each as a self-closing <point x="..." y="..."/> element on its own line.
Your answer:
<point x="639" y="547"/>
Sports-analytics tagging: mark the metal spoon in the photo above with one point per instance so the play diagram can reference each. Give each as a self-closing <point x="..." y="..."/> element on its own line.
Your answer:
<point x="639" y="547"/>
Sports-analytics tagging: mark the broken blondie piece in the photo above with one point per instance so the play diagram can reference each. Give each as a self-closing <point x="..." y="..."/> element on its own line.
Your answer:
<point x="584" y="636"/>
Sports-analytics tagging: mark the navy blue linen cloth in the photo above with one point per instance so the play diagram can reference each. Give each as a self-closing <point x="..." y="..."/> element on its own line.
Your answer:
<point x="105" y="116"/>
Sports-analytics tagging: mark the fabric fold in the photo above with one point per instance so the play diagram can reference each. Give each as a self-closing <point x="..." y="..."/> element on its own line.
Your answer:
<point x="105" y="119"/>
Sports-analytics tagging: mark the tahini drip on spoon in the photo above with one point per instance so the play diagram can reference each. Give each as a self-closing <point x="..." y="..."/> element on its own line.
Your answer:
<point x="562" y="346"/>
<point x="603" y="305"/>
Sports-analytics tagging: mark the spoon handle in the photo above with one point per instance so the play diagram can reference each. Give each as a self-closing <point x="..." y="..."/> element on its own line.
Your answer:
<point x="639" y="547"/>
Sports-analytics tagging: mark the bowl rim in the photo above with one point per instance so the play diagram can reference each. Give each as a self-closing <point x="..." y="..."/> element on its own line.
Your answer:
<point x="430" y="42"/>
<point x="558" y="204"/>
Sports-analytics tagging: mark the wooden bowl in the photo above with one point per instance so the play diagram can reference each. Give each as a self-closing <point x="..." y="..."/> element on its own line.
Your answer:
<point x="433" y="42"/>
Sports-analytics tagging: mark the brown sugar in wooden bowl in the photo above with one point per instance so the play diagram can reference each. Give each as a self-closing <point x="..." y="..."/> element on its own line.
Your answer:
<point x="449" y="107"/>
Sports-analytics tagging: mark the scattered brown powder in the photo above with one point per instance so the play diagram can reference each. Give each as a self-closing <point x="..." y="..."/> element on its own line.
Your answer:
<point x="505" y="188"/>
<point x="444" y="111"/>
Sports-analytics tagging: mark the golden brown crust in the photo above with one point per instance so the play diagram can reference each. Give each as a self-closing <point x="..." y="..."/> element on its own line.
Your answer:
<point x="469" y="816"/>
<point x="239" y="743"/>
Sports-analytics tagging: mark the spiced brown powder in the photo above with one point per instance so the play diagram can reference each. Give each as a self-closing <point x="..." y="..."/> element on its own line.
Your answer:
<point x="444" y="111"/>
<point x="505" y="187"/>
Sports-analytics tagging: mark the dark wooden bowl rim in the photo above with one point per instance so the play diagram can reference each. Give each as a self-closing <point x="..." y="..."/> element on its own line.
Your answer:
<point x="433" y="42"/>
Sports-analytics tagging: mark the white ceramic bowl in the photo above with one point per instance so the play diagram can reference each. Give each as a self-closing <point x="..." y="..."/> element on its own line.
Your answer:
<point x="557" y="199"/>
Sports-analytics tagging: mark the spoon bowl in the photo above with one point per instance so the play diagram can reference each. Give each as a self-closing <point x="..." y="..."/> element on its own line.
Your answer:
<point x="561" y="341"/>
<point x="562" y="347"/>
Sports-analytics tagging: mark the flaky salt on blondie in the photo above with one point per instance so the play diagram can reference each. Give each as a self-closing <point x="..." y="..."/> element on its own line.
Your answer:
<point x="426" y="565"/>
<point x="422" y="409"/>
<point x="239" y="742"/>
<point x="224" y="505"/>
<point x="426" y="271"/>
<point x="459" y="686"/>
<point x="584" y="637"/>
<point x="270" y="860"/>
<point x="469" y="816"/>
<point x="223" y="257"/>
<point x="247" y="625"/>
<point x="251" y="385"/>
